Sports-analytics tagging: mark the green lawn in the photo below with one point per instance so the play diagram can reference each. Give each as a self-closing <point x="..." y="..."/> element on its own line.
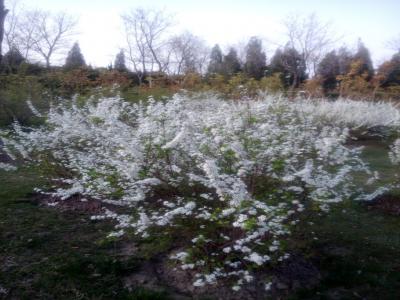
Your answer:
<point x="357" y="251"/>
<point x="49" y="254"/>
<point x="357" y="248"/>
<point x="46" y="253"/>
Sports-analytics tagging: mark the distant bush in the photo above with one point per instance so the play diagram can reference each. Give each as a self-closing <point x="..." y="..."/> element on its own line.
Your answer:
<point x="15" y="91"/>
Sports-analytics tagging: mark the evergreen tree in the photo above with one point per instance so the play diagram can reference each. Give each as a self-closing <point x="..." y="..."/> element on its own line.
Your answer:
<point x="328" y="70"/>
<point x="255" y="59"/>
<point x="345" y="58"/>
<point x="290" y="64"/>
<point x="119" y="63"/>
<point x="231" y="63"/>
<point x="75" y="58"/>
<point x="295" y="65"/>
<point x="215" y="65"/>
<point x="276" y="67"/>
<point x="389" y="72"/>
<point x="12" y="60"/>
<point x="363" y="56"/>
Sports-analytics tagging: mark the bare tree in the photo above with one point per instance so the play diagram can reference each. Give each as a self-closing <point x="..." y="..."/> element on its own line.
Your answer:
<point x="3" y="14"/>
<point x="26" y="38"/>
<point x="146" y="39"/>
<point x="311" y="38"/>
<point x="136" y="46"/>
<point x="188" y="54"/>
<point x="51" y="33"/>
<point x="11" y="26"/>
<point x="394" y="43"/>
<point x="18" y="30"/>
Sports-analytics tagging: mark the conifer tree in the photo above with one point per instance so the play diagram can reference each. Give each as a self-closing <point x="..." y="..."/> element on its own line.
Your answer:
<point x="12" y="60"/>
<point x="290" y="64"/>
<point x="276" y="67"/>
<point x="119" y="63"/>
<point x="345" y="58"/>
<point x="75" y="58"/>
<point x="255" y="59"/>
<point x="231" y="63"/>
<point x="328" y="70"/>
<point x="363" y="56"/>
<point x="389" y="72"/>
<point x="215" y="65"/>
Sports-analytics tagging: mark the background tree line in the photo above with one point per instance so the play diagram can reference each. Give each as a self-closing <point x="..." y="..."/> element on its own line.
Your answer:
<point x="154" y="54"/>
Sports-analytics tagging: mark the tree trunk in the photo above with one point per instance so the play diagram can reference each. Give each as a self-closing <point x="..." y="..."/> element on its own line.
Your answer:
<point x="294" y="84"/>
<point x="3" y="13"/>
<point x="47" y="62"/>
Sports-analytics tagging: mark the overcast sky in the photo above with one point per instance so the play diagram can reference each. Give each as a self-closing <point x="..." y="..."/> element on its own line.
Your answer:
<point x="229" y="22"/>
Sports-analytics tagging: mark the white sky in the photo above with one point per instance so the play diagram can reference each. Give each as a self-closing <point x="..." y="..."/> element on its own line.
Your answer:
<point x="229" y="22"/>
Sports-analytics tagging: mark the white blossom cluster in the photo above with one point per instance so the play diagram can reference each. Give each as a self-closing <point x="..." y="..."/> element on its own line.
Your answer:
<point x="395" y="152"/>
<point x="233" y="177"/>
<point x="354" y="114"/>
<point x="7" y="167"/>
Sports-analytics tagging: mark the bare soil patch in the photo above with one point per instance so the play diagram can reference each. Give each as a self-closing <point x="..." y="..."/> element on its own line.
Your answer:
<point x="386" y="203"/>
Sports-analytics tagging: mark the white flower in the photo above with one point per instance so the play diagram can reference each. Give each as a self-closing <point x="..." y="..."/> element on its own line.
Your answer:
<point x="236" y="288"/>
<point x="180" y="256"/>
<point x="116" y="233"/>
<point x="175" y="141"/>
<point x="7" y="167"/>
<point x="288" y="178"/>
<point x="227" y="249"/>
<point x="256" y="258"/>
<point x="199" y="283"/>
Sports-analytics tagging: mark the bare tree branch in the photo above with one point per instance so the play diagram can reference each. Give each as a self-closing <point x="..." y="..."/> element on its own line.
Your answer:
<point x="145" y="32"/>
<point x="52" y="32"/>
<point x="311" y="38"/>
<point x="11" y="26"/>
<point x="18" y="29"/>
<point x="188" y="54"/>
<point x="394" y="44"/>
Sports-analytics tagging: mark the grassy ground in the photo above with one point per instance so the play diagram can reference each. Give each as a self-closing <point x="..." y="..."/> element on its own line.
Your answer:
<point x="356" y="246"/>
<point x="357" y="251"/>
<point x="48" y="254"/>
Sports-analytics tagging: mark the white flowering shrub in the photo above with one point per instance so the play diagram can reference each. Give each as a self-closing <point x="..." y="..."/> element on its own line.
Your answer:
<point x="395" y="152"/>
<point x="353" y="114"/>
<point x="231" y="178"/>
<point x="7" y="167"/>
